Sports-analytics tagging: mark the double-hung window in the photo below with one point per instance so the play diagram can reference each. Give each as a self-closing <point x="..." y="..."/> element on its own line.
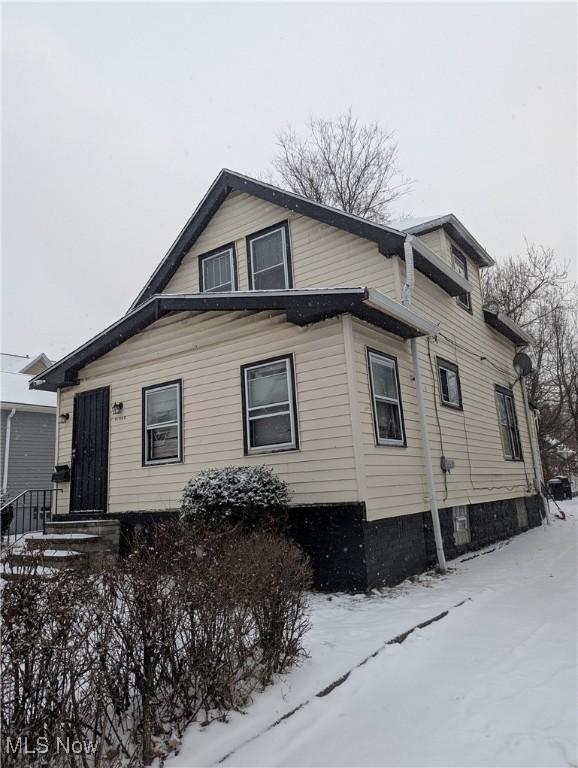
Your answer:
<point x="449" y="378"/>
<point x="386" y="398"/>
<point x="269" y="259"/>
<point x="461" y="267"/>
<point x="162" y="417"/>
<point x="269" y="405"/>
<point x="508" y="424"/>
<point x="217" y="270"/>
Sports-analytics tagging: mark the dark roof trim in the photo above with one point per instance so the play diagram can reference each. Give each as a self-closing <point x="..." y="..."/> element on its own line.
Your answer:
<point x="390" y="241"/>
<point x="301" y="306"/>
<point x="507" y="327"/>
<point x="441" y="273"/>
<point x="459" y="234"/>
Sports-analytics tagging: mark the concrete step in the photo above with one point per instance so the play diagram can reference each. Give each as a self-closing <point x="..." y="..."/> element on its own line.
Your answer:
<point x="10" y="572"/>
<point x="79" y="542"/>
<point x="62" y="559"/>
<point x="107" y="530"/>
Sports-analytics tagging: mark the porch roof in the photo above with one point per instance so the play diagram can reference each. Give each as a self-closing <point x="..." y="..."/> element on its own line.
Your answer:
<point x="301" y="307"/>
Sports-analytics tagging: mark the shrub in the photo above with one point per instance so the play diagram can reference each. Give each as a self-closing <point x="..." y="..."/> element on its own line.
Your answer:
<point x="252" y="498"/>
<point x="184" y="629"/>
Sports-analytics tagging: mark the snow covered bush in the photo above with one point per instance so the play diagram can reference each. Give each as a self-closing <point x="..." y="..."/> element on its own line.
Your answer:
<point x="252" y="498"/>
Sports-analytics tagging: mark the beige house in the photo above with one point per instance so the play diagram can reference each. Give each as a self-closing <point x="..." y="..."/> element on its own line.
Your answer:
<point x="355" y="359"/>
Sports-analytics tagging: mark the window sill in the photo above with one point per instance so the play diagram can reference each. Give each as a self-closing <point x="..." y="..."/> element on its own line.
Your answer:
<point x="452" y="407"/>
<point x="161" y="463"/>
<point x="269" y="451"/>
<point x="518" y="461"/>
<point x="391" y="444"/>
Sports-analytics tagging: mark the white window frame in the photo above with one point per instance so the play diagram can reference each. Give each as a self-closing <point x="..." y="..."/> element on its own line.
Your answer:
<point x="508" y="450"/>
<point x="253" y="238"/>
<point x="209" y="257"/>
<point x="462" y="534"/>
<point x="387" y="360"/>
<point x="453" y="369"/>
<point x="465" y="299"/>
<point x="291" y="404"/>
<point x="147" y="461"/>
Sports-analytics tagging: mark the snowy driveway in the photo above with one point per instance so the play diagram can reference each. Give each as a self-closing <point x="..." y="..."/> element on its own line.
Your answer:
<point x="491" y="684"/>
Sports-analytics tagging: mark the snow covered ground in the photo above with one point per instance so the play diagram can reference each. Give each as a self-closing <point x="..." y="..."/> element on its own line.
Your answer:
<point x="493" y="683"/>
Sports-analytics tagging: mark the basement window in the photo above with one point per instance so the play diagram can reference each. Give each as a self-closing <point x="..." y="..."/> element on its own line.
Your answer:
<point x="269" y="406"/>
<point x="450" y="388"/>
<point x="461" y="525"/>
<point x="217" y="270"/>
<point x="386" y="399"/>
<point x="162" y="417"/>
<point x="508" y="423"/>
<point x="269" y="259"/>
<point x="461" y="267"/>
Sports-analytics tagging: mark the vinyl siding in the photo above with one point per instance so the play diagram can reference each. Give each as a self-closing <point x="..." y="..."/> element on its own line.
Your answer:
<point x="322" y="256"/>
<point x="395" y="477"/>
<point x="31" y="458"/>
<point x="206" y="352"/>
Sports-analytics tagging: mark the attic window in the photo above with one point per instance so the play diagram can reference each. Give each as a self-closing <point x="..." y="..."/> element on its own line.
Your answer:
<point x="217" y="270"/>
<point x="461" y="267"/>
<point x="269" y="259"/>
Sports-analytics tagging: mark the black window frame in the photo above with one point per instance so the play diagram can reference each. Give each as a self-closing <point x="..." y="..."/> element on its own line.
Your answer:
<point x="379" y="441"/>
<point x="284" y="225"/>
<point x="211" y="254"/>
<point x="506" y="392"/>
<point x="160" y="462"/>
<point x="465" y="299"/>
<point x="449" y="366"/>
<point x="294" y="418"/>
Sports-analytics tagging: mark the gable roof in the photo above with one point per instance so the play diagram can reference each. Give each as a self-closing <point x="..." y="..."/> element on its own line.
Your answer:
<point x="455" y="229"/>
<point x="301" y="307"/>
<point x="14" y="389"/>
<point x="389" y="240"/>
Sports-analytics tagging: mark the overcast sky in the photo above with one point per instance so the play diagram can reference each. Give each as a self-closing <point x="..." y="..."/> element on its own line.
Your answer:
<point x="117" y="117"/>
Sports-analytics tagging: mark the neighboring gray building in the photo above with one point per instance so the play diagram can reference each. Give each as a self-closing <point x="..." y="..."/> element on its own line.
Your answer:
<point x="28" y="426"/>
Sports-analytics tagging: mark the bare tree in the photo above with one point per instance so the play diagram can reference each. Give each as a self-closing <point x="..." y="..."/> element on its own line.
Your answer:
<point x="342" y="163"/>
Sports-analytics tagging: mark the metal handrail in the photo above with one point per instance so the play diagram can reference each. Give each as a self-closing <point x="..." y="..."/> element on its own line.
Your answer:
<point x="29" y="511"/>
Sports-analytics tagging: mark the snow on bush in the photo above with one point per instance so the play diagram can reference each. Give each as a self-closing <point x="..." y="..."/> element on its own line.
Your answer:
<point x="250" y="497"/>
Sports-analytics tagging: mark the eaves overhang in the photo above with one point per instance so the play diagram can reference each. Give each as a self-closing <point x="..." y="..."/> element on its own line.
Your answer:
<point x="459" y="234"/>
<point x="438" y="271"/>
<point x="507" y="327"/>
<point x="389" y="240"/>
<point x="301" y="307"/>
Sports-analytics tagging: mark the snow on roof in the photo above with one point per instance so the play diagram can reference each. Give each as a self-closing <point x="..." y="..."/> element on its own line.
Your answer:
<point x="14" y="384"/>
<point x="412" y="221"/>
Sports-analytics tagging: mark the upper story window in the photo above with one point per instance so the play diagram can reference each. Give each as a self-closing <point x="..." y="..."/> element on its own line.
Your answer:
<point x="162" y="417"/>
<point x="450" y="388"/>
<point x="385" y="398"/>
<point x="269" y="259"/>
<point x="461" y="267"/>
<point x="218" y="270"/>
<point x="269" y="405"/>
<point x="508" y="422"/>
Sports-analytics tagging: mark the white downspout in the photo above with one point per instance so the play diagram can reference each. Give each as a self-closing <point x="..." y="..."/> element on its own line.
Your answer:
<point x="537" y="464"/>
<point x="406" y="301"/>
<point x="7" y="450"/>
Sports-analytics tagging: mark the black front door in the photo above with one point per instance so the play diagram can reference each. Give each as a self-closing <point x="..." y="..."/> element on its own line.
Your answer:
<point x="90" y="451"/>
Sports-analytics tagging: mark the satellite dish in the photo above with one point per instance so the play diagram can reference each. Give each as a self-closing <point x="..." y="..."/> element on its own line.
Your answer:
<point x="522" y="364"/>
